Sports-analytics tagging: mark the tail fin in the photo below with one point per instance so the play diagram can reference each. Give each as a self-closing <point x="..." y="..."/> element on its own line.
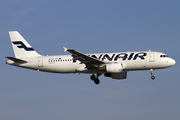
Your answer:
<point x="20" y="46"/>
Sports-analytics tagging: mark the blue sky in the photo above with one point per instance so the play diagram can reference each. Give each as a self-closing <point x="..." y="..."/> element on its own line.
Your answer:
<point x="90" y="27"/>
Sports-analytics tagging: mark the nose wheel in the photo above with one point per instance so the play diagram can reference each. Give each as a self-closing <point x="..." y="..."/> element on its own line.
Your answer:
<point x="152" y="76"/>
<point x="95" y="78"/>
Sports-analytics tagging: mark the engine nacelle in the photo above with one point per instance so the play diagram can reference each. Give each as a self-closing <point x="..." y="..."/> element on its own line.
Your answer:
<point x="114" y="68"/>
<point x="122" y="75"/>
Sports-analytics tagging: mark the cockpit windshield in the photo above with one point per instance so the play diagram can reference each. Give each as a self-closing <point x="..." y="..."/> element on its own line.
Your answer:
<point x="163" y="56"/>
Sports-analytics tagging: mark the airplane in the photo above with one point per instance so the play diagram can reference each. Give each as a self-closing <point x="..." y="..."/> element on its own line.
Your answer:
<point x="114" y="65"/>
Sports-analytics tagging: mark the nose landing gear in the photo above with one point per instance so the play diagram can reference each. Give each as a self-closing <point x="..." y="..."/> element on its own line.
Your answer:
<point x="152" y="76"/>
<point x="95" y="78"/>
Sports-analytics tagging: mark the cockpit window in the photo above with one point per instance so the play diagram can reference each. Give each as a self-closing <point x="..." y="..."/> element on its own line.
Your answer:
<point x="163" y="56"/>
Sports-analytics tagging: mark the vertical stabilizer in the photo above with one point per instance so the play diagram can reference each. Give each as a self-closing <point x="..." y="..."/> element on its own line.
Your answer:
<point x="20" y="46"/>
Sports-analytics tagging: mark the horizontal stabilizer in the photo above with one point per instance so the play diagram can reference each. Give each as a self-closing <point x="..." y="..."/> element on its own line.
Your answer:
<point x="17" y="60"/>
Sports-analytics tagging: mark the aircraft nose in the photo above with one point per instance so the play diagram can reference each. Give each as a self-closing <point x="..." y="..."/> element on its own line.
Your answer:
<point x="172" y="62"/>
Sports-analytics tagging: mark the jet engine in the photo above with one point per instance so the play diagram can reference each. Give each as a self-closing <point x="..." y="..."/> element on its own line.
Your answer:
<point x="122" y="75"/>
<point x="114" y="68"/>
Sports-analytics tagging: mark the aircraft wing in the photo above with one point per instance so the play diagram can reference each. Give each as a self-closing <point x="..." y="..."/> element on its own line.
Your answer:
<point x="84" y="58"/>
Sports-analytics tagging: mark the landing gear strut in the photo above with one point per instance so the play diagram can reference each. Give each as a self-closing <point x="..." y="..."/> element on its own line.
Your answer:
<point x="152" y="76"/>
<point x="95" y="78"/>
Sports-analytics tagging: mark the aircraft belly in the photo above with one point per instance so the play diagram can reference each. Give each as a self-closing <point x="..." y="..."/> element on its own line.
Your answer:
<point x="65" y="68"/>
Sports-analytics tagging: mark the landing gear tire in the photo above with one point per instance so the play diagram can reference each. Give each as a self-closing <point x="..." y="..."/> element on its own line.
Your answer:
<point x="153" y="77"/>
<point x="93" y="77"/>
<point x="97" y="81"/>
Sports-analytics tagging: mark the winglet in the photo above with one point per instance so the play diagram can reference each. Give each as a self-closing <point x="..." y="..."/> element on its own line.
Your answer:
<point x="65" y="49"/>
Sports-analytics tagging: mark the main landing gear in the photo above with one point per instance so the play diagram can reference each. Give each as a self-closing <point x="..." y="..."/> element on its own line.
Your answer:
<point x="95" y="78"/>
<point x="152" y="76"/>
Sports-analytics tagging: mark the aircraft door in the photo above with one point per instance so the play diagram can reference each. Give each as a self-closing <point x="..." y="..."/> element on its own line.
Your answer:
<point x="40" y="62"/>
<point x="151" y="57"/>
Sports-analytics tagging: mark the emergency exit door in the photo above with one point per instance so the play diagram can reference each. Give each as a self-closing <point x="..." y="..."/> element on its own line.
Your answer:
<point x="40" y="62"/>
<point x="151" y="57"/>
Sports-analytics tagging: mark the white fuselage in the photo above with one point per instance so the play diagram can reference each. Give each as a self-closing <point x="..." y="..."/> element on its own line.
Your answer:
<point x="144" y="60"/>
<point x="114" y="65"/>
